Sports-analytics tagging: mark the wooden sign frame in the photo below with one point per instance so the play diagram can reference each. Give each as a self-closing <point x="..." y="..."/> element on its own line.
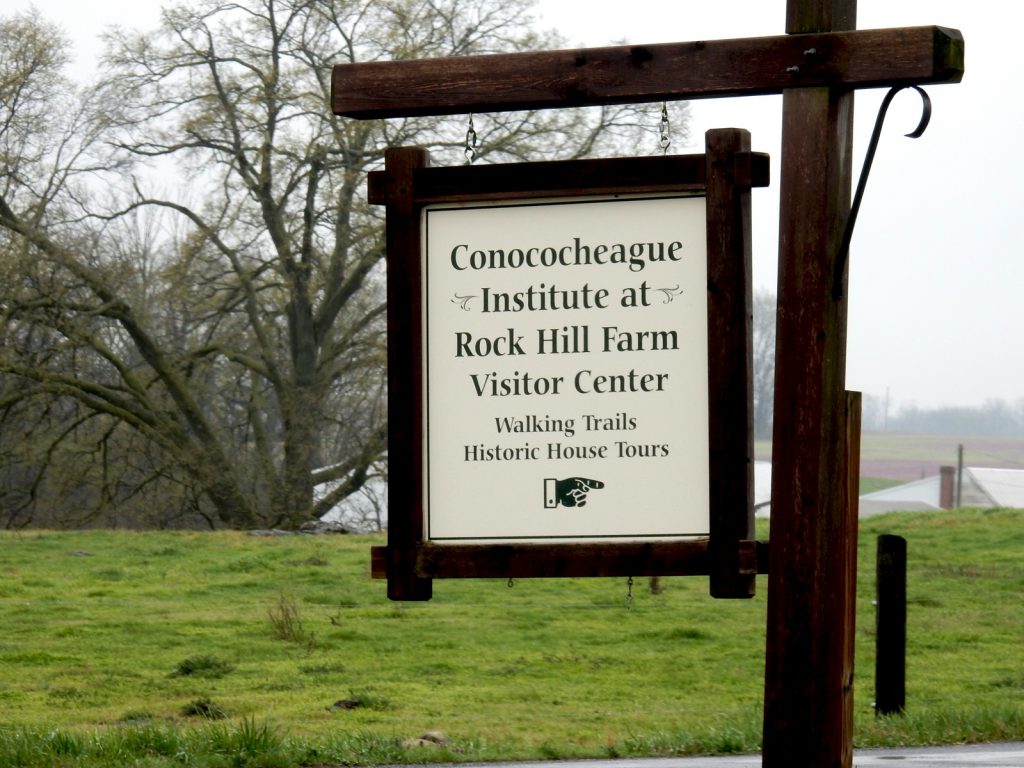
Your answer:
<point x="725" y="176"/>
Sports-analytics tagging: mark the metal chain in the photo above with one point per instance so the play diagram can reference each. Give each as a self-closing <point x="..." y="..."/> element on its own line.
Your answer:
<point x="664" y="129"/>
<point x="629" y="593"/>
<point x="511" y="582"/>
<point x="470" y="142"/>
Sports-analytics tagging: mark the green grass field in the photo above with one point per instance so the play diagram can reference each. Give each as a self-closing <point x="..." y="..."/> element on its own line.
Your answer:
<point x="155" y="649"/>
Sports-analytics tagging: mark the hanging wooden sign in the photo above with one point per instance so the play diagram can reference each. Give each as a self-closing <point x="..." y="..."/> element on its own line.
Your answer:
<point x="817" y="66"/>
<point x="569" y="352"/>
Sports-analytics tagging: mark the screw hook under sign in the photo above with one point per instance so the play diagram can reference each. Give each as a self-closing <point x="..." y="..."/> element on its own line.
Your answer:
<point x="851" y="221"/>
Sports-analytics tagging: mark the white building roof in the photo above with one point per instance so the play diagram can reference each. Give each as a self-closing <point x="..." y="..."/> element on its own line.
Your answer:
<point x="762" y="487"/>
<point x="1004" y="486"/>
<point x="981" y="487"/>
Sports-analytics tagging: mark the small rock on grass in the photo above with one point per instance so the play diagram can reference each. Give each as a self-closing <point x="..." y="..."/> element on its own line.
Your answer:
<point x="343" y="704"/>
<point x="428" y="739"/>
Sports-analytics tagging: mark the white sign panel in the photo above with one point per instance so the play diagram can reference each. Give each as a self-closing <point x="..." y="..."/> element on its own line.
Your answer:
<point x="566" y="373"/>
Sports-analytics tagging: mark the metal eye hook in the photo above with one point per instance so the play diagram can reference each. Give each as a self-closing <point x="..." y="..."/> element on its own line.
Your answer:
<point x="851" y="221"/>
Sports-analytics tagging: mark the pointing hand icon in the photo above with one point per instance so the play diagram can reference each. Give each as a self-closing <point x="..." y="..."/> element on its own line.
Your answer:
<point x="570" y="492"/>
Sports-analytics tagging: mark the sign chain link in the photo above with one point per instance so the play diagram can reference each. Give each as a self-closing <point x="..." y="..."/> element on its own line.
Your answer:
<point x="664" y="129"/>
<point x="470" y="150"/>
<point x="629" y="593"/>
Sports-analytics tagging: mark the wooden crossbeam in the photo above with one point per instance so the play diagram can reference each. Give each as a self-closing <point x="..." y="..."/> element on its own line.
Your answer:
<point x="644" y="73"/>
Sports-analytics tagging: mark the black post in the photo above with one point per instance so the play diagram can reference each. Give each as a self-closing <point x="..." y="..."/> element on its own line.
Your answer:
<point x="891" y="628"/>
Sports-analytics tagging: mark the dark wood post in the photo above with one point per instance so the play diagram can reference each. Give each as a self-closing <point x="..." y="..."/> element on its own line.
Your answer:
<point x="891" y="625"/>
<point x="809" y="664"/>
<point x="730" y="377"/>
<point x="405" y="440"/>
<point x="851" y="528"/>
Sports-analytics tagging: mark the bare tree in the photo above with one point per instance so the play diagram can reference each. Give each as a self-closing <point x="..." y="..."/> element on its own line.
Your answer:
<point x="764" y="363"/>
<point x="234" y="322"/>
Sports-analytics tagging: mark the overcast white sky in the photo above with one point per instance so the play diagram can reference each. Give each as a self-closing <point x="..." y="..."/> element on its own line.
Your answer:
<point x="936" y="280"/>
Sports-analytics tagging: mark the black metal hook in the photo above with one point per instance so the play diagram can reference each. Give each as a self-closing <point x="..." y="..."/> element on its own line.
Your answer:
<point x="851" y="221"/>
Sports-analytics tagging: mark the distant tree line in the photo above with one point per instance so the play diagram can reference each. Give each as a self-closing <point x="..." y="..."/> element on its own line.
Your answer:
<point x="994" y="418"/>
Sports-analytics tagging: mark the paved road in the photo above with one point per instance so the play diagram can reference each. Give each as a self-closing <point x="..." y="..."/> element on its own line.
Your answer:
<point x="972" y="756"/>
